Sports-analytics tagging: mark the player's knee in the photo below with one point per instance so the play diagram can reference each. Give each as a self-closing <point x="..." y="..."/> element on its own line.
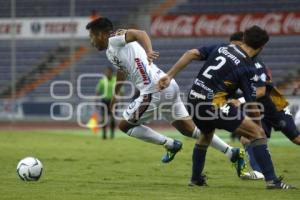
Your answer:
<point x="205" y="139"/>
<point x="188" y="131"/>
<point x="257" y="133"/>
<point x="244" y="141"/>
<point x="260" y="133"/>
<point x="186" y="127"/>
<point x="123" y="126"/>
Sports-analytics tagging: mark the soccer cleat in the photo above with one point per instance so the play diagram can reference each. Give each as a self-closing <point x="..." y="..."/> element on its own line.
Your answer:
<point x="252" y="175"/>
<point x="201" y="182"/>
<point x="238" y="160"/>
<point x="278" y="184"/>
<point x="169" y="156"/>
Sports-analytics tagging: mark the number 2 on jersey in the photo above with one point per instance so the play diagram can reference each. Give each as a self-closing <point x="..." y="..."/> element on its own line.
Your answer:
<point x="212" y="67"/>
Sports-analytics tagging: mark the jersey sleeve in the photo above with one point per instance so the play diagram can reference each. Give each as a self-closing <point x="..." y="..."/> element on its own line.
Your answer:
<point x="205" y="51"/>
<point x="261" y="72"/>
<point x="261" y="82"/>
<point x="117" y="41"/>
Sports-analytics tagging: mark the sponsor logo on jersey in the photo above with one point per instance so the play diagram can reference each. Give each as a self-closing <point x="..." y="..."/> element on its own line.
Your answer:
<point x="202" y="85"/>
<point x="224" y="51"/>
<point x="197" y="95"/>
<point x="142" y="69"/>
<point x="255" y="78"/>
<point x="258" y="65"/>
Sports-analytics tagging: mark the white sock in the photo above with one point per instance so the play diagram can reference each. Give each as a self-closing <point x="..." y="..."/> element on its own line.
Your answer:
<point x="220" y="145"/>
<point x="149" y="135"/>
<point x="196" y="133"/>
<point x="216" y="143"/>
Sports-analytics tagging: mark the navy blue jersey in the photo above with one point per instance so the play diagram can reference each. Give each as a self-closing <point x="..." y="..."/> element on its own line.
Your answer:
<point x="205" y="51"/>
<point x="271" y="91"/>
<point x="227" y="68"/>
<point x="261" y="71"/>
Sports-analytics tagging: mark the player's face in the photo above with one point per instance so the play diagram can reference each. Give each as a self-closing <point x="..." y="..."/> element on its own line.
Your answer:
<point x="98" y="40"/>
<point x="108" y="73"/>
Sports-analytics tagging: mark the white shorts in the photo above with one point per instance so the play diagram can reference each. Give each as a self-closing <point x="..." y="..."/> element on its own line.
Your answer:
<point x="166" y="105"/>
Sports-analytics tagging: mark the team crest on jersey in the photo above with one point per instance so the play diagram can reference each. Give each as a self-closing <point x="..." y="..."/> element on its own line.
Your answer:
<point x="116" y="61"/>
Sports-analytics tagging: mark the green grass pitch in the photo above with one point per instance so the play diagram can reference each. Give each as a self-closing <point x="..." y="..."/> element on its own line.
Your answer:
<point x="79" y="165"/>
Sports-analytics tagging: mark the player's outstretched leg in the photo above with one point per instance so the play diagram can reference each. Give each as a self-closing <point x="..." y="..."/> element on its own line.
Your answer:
<point x="261" y="154"/>
<point x="236" y="155"/>
<point x="171" y="152"/>
<point x="149" y="135"/>
<point x="288" y="126"/>
<point x="255" y="174"/>
<point x="238" y="160"/>
<point x="198" y="158"/>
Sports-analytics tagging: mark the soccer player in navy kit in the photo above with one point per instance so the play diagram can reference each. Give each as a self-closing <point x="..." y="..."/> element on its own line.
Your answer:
<point x="227" y="69"/>
<point x="276" y="112"/>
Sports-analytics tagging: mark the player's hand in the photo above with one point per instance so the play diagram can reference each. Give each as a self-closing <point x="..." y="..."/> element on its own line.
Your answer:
<point x="152" y="55"/>
<point x="235" y="102"/>
<point x="164" y="82"/>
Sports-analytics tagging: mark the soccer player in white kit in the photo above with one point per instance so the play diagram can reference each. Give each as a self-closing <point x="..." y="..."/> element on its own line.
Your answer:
<point x="130" y="51"/>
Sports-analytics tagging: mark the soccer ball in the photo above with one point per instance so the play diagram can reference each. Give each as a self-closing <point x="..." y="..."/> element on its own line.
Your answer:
<point x="29" y="169"/>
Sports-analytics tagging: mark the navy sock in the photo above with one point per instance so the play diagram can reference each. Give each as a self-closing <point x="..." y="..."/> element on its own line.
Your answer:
<point x="254" y="165"/>
<point x="263" y="158"/>
<point x="199" y="154"/>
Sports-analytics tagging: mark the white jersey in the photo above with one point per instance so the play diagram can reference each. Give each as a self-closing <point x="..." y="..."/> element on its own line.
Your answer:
<point x="132" y="59"/>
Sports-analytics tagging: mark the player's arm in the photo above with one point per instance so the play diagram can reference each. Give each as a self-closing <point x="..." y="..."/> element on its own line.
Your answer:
<point x="260" y="85"/>
<point x="121" y="76"/>
<point x="193" y="54"/>
<point x="142" y="38"/>
<point x="185" y="59"/>
<point x="260" y="91"/>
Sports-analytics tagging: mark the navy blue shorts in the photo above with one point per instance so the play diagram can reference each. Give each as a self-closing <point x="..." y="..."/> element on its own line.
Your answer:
<point x="280" y="121"/>
<point x="207" y="117"/>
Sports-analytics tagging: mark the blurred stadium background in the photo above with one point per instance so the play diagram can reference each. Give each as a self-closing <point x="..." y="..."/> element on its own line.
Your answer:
<point x="44" y="43"/>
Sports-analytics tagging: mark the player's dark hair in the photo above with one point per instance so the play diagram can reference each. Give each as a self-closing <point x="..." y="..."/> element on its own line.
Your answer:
<point x="100" y="24"/>
<point x="255" y="37"/>
<point x="237" y="36"/>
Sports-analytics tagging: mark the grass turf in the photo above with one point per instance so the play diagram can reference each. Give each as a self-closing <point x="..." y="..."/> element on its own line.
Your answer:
<point x="79" y="165"/>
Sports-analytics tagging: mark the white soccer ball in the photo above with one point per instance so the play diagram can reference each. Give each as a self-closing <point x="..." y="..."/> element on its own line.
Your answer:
<point x="30" y="169"/>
